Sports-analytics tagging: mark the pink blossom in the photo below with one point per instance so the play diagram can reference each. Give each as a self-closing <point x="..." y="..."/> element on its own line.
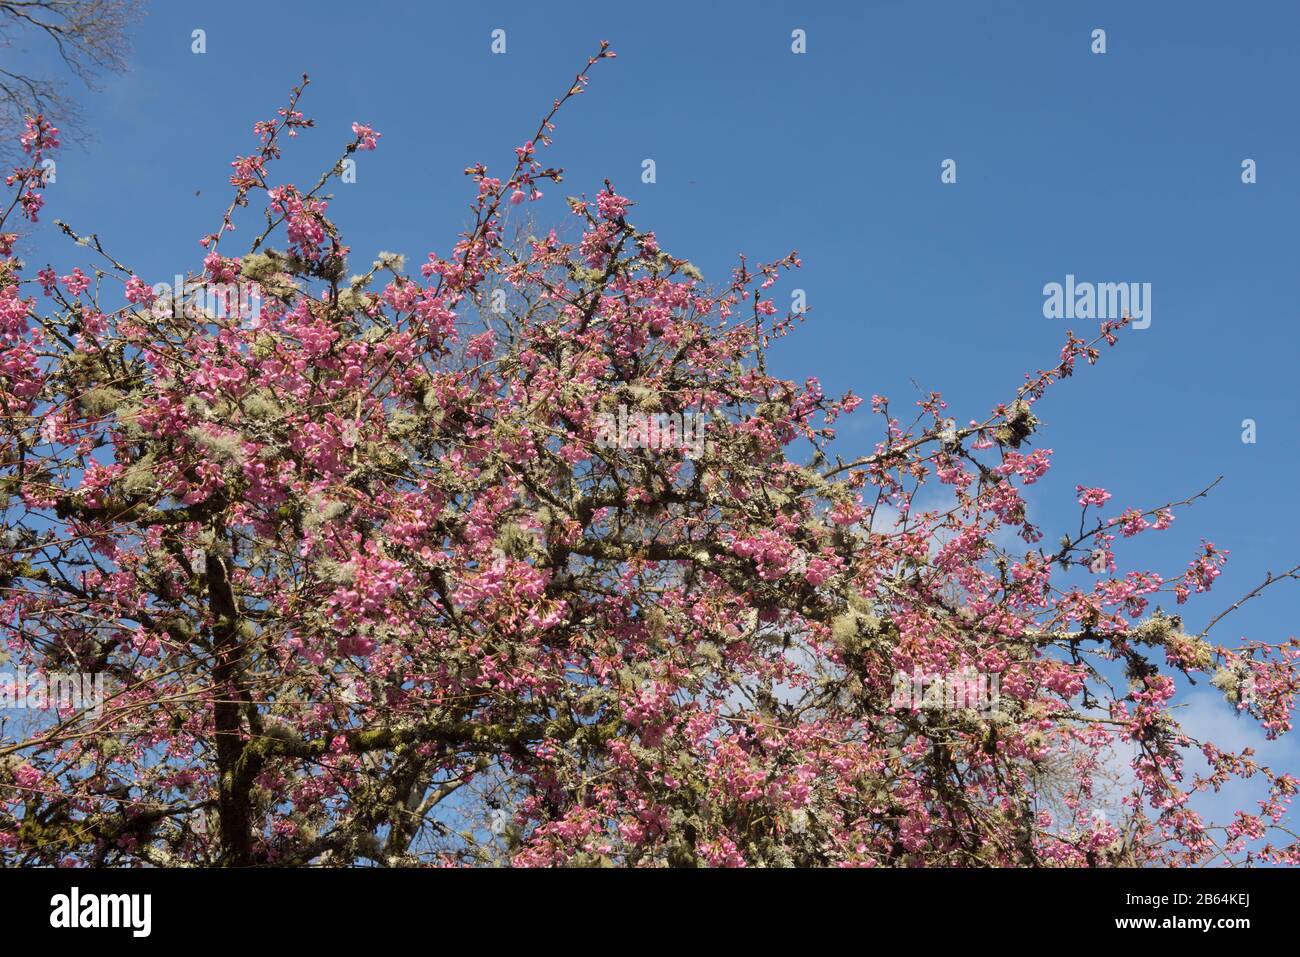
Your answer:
<point x="368" y="137"/>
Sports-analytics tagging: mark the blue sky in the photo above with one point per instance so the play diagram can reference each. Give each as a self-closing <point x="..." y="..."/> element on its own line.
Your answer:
<point x="1120" y="167"/>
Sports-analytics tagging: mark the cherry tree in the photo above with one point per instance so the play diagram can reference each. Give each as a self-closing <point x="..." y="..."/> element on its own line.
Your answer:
<point x="368" y="582"/>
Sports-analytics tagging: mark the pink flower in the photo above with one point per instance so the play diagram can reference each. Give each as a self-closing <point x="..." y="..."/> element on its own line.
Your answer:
<point x="612" y="206"/>
<point x="138" y="293"/>
<point x="369" y="138"/>
<point x="76" y="282"/>
<point x="39" y="135"/>
<point x="1131" y="523"/>
<point x="304" y="219"/>
<point x="27" y="776"/>
<point x="818" y="571"/>
<point x="1092" y="496"/>
<point x="480" y="346"/>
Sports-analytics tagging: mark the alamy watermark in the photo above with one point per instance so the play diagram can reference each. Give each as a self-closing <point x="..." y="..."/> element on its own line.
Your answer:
<point x="950" y="691"/>
<point x="651" y="430"/>
<point x="77" y="910"/>
<point x="204" y="300"/>
<point x="52" y="691"/>
<point x="1101" y="300"/>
